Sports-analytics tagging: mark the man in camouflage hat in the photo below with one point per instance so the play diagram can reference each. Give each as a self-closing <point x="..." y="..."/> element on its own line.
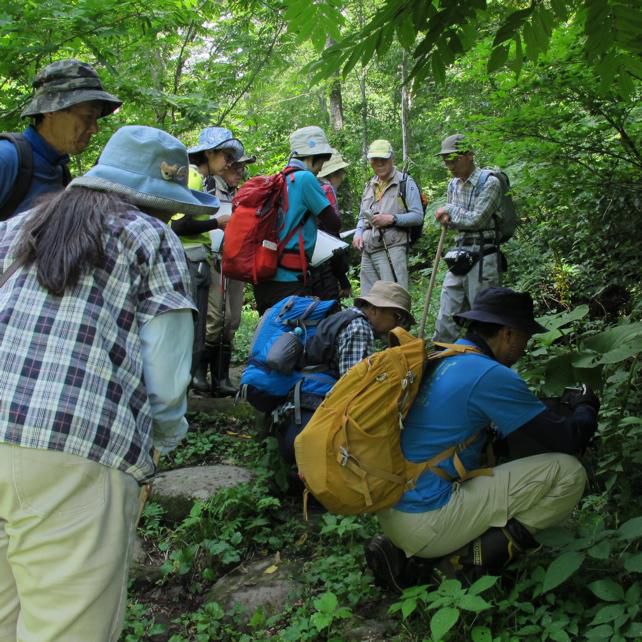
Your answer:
<point x="68" y="100"/>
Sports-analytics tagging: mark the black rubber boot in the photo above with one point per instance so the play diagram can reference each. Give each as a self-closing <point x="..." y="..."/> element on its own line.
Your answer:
<point x="199" y="372"/>
<point x="225" y="386"/>
<point x="213" y="361"/>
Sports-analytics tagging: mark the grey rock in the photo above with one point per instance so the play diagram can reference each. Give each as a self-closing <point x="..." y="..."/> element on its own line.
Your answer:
<point x="177" y="490"/>
<point x="265" y="584"/>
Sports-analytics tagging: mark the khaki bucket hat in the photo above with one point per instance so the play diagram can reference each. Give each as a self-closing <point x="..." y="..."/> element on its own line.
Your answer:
<point x="333" y="165"/>
<point x="455" y="144"/>
<point x="385" y="294"/>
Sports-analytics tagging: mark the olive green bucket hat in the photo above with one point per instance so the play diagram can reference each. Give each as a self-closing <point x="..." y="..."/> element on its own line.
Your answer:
<point x="65" y="83"/>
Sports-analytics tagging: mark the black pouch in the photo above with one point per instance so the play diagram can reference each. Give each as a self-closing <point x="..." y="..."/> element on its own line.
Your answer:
<point x="460" y="262"/>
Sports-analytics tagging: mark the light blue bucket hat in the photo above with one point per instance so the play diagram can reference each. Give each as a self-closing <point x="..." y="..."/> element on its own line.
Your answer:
<point x="150" y="168"/>
<point x="217" y="138"/>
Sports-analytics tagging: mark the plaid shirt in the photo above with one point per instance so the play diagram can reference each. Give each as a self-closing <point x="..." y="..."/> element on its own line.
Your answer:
<point x="470" y="212"/>
<point x="354" y="343"/>
<point x="71" y="368"/>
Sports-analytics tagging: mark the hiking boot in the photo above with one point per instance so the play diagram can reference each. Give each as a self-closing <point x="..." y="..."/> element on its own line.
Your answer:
<point x="220" y="369"/>
<point x="387" y="563"/>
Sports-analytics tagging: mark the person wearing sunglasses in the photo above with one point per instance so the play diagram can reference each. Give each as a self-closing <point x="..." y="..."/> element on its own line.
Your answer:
<point x="474" y="262"/>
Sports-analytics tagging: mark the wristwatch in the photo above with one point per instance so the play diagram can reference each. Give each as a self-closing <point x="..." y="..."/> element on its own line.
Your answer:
<point x="394" y="219"/>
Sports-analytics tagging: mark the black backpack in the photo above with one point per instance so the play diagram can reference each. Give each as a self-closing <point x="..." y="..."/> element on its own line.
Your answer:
<point x="25" y="173"/>
<point x="414" y="231"/>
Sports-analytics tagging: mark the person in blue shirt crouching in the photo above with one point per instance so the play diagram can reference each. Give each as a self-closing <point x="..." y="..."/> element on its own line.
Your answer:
<point x="459" y="518"/>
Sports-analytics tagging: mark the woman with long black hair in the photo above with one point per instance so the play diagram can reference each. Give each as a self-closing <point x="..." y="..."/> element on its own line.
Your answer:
<point x="96" y="338"/>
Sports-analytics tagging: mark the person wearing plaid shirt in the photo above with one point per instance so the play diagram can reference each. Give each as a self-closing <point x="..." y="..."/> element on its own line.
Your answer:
<point x="95" y="349"/>
<point x="470" y="212"/>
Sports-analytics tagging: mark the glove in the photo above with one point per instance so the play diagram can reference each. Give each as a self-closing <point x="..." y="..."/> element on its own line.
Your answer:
<point x="583" y="396"/>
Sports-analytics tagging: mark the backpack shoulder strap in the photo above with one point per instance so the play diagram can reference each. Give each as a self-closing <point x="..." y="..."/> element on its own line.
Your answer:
<point x="24" y="176"/>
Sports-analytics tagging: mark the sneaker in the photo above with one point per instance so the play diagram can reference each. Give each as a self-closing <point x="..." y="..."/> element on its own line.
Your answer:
<point x="387" y="563"/>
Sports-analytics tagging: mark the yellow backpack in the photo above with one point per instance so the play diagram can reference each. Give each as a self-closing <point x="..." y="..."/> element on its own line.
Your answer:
<point x="349" y="454"/>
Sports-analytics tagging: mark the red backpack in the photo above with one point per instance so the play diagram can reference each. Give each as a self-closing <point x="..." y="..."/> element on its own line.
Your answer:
<point x="251" y="249"/>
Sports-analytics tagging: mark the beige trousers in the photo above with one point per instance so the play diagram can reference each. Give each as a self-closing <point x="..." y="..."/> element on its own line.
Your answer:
<point x="219" y="320"/>
<point x="537" y="491"/>
<point x="66" y="527"/>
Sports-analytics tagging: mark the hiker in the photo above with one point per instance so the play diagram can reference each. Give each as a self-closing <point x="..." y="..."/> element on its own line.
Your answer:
<point x="216" y="151"/>
<point x="470" y="212"/>
<point x="68" y="101"/>
<point x="478" y="520"/>
<point x="330" y="279"/>
<point x="95" y="346"/>
<point x="385" y="217"/>
<point x="307" y="208"/>
<point x="341" y="341"/>
<point x="194" y="232"/>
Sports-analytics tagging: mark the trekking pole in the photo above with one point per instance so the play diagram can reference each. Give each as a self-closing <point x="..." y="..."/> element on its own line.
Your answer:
<point x="221" y="337"/>
<point x="387" y="251"/>
<point x="431" y="285"/>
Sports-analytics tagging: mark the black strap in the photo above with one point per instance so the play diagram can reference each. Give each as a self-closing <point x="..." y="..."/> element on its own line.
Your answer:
<point x="8" y="273"/>
<point x="25" y="173"/>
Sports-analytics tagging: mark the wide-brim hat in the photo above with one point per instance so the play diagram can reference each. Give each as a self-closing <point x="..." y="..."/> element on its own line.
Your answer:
<point x="506" y="307"/>
<point x="217" y="138"/>
<point x="386" y="294"/>
<point x="333" y="165"/>
<point x="380" y="148"/>
<point x="455" y="144"/>
<point x="65" y="83"/>
<point x="150" y="168"/>
<point x="309" y="141"/>
<point x="246" y="160"/>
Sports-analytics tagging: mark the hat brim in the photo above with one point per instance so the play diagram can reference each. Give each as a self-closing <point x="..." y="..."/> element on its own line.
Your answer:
<point x="379" y="155"/>
<point x="230" y="143"/>
<point x="332" y="170"/>
<point x="162" y="195"/>
<point x="531" y="327"/>
<point x="381" y="302"/>
<point x="42" y="104"/>
<point x="246" y="160"/>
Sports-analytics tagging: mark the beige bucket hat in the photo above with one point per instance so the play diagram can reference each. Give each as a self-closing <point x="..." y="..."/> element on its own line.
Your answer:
<point x="309" y="141"/>
<point x="385" y="294"/>
<point x="333" y="165"/>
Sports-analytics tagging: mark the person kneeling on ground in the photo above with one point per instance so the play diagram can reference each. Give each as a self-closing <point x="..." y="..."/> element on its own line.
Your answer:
<point x="477" y="520"/>
<point x="385" y="307"/>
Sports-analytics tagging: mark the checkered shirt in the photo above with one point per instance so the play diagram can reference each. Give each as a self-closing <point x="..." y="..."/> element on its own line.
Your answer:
<point x="71" y="370"/>
<point x="469" y="213"/>
<point x="355" y="342"/>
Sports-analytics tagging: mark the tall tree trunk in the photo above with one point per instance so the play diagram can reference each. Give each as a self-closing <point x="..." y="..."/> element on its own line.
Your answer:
<point x="336" y="99"/>
<point x="364" y="114"/>
<point x="405" y="136"/>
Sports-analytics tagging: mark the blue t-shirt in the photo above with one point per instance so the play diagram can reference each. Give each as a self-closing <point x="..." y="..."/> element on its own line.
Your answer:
<point x="47" y="169"/>
<point x="304" y="195"/>
<point x="461" y="396"/>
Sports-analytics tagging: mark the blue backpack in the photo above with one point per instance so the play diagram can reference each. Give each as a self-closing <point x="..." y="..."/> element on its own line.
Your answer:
<point x="278" y="352"/>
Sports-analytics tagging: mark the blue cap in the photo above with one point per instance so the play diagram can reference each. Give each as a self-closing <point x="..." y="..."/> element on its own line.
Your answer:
<point x="217" y="138"/>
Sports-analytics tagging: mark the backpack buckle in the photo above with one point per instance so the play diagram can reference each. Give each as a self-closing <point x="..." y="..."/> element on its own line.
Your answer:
<point x="345" y="456"/>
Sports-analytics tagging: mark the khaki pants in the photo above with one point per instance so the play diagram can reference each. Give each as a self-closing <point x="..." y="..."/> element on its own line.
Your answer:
<point x="538" y="491"/>
<point x="66" y="527"/>
<point x="219" y="320"/>
<point x="458" y="294"/>
<point x="375" y="266"/>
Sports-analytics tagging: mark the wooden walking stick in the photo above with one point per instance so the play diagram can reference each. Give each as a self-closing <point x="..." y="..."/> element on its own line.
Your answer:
<point x="431" y="285"/>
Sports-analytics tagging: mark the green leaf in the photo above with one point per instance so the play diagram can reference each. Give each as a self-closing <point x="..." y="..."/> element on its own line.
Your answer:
<point x="321" y="621"/>
<point x="632" y="529"/>
<point x="607" y="590"/>
<point x="406" y="32"/>
<point x="481" y="634"/>
<point x="612" y="338"/>
<point x="408" y="607"/>
<point x="327" y="602"/>
<point x="633" y="563"/>
<point x="483" y="584"/>
<point x="442" y="621"/>
<point x="608" y="613"/>
<point x="600" y="551"/>
<point x="498" y="58"/>
<point x="602" y="632"/>
<point x="561" y="569"/>
<point x="473" y="603"/>
<point x="632" y="595"/>
<point x="563" y="318"/>
<point x="555" y="537"/>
